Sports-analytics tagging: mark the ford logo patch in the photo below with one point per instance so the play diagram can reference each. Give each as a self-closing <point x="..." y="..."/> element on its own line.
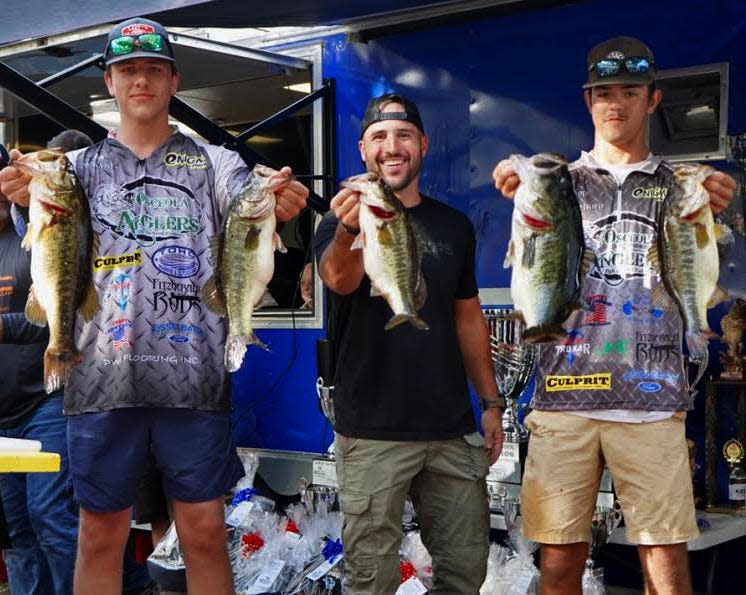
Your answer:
<point x="649" y="387"/>
<point x="178" y="338"/>
<point x="176" y="261"/>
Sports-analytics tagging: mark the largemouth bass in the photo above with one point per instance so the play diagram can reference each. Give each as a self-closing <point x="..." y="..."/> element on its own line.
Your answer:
<point x="61" y="241"/>
<point x="243" y="260"/>
<point x="546" y="250"/>
<point x="392" y="257"/>
<point x="687" y="255"/>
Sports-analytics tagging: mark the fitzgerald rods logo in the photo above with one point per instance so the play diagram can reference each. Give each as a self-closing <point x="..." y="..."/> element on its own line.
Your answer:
<point x="589" y="382"/>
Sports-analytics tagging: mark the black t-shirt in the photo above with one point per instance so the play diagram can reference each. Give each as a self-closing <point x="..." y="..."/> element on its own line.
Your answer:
<point x="22" y="385"/>
<point x="406" y="384"/>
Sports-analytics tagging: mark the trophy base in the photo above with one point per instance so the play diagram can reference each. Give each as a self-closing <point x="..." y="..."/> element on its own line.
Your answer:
<point x="726" y="510"/>
<point x="731" y="375"/>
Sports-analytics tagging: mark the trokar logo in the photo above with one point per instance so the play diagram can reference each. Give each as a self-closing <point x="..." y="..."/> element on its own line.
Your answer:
<point x="572" y="345"/>
<point x="595" y="315"/>
<point x="589" y="382"/>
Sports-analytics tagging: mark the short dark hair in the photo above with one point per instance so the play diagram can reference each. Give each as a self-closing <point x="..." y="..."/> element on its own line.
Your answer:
<point x="69" y="140"/>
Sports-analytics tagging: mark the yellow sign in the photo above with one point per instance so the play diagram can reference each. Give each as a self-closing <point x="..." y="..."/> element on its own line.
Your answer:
<point x="589" y="382"/>
<point x="117" y="261"/>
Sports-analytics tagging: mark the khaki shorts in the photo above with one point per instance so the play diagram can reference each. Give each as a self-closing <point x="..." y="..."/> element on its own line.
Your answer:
<point x="649" y="466"/>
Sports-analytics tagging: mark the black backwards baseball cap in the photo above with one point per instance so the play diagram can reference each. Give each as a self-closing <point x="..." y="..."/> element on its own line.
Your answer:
<point x="620" y="61"/>
<point x="137" y="38"/>
<point x="374" y="114"/>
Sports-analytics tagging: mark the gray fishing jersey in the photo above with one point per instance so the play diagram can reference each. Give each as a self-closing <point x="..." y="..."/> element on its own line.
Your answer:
<point x="622" y="352"/>
<point x="153" y="343"/>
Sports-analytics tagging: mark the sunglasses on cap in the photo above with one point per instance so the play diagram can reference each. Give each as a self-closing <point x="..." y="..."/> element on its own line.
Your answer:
<point x="150" y="42"/>
<point x="612" y="66"/>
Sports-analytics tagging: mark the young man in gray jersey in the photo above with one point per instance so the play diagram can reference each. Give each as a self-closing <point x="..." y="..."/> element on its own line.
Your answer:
<point x="613" y="402"/>
<point x="152" y="376"/>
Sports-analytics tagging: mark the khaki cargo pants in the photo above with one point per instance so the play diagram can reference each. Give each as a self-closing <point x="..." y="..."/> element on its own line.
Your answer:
<point x="446" y="481"/>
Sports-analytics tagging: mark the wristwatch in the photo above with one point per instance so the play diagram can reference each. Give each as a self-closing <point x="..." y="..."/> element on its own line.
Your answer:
<point x="496" y="403"/>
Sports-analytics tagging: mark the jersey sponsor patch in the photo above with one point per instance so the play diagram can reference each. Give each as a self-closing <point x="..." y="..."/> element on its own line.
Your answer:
<point x="588" y="382"/>
<point x="117" y="261"/>
<point x="176" y="261"/>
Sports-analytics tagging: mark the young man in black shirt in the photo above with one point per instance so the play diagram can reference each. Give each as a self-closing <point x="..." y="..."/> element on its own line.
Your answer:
<point x="404" y="423"/>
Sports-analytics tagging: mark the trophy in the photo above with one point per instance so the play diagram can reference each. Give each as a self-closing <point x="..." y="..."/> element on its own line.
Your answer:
<point x="605" y="519"/>
<point x="514" y="363"/>
<point x="733" y="324"/>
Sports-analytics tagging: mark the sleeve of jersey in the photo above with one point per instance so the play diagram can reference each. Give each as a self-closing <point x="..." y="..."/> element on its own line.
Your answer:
<point x="467" y="286"/>
<point x="231" y="172"/>
<point x="324" y="234"/>
<point x="19" y="331"/>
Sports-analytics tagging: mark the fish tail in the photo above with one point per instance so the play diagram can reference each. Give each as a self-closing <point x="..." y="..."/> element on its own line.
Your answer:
<point x="235" y="349"/>
<point x="696" y="343"/>
<point x="547" y="332"/>
<point x="57" y="368"/>
<point x="413" y="319"/>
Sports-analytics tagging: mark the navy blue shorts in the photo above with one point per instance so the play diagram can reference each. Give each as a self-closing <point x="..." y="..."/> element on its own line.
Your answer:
<point x="193" y="450"/>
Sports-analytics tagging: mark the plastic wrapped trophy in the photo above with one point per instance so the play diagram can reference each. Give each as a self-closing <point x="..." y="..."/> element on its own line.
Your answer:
<point x="605" y="519"/>
<point x="514" y="363"/>
<point x="733" y="325"/>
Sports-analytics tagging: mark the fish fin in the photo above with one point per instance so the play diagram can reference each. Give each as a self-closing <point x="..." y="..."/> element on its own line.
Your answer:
<point x="213" y="297"/>
<point x="588" y="262"/>
<point x="279" y="246"/>
<point x="509" y="255"/>
<point x="31" y="236"/>
<point x="413" y="319"/>
<point x="723" y="234"/>
<point x="719" y="296"/>
<point x="57" y="368"/>
<point x="215" y="249"/>
<point x="654" y="257"/>
<point x="235" y="350"/>
<point x="574" y="307"/>
<point x="696" y="343"/>
<point x="359" y="242"/>
<point x="544" y="333"/>
<point x="529" y="252"/>
<point x="95" y="244"/>
<point x="89" y="305"/>
<point x="420" y="292"/>
<point x="251" y="237"/>
<point x="660" y="298"/>
<point x="35" y="312"/>
<point x="700" y="233"/>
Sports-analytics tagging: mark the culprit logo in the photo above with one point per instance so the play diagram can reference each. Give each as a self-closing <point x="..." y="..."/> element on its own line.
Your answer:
<point x="177" y="332"/>
<point x="118" y="333"/>
<point x="118" y="291"/>
<point x="185" y="160"/>
<point x="117" y="261"/>
<point x="655" y="193"/>
<point x="176" y="261"/>
<point x="589" y="382"/>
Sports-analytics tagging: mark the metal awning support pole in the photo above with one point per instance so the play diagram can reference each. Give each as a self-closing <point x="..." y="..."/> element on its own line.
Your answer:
<point x="96" y="60"/>
<point x="54" y="108"/>
<point x="201" y="124"/>
<point x="283" y="114"/>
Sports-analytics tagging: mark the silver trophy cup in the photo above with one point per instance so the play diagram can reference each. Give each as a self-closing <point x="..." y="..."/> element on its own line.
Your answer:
<point x="514" y="363"/>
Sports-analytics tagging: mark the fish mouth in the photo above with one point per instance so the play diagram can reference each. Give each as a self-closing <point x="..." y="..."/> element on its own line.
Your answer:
<point x="54" y="208"/>
<point x="381" y="213"/>
<point x="693" y="216"/>
<point x="535" y="222"/>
